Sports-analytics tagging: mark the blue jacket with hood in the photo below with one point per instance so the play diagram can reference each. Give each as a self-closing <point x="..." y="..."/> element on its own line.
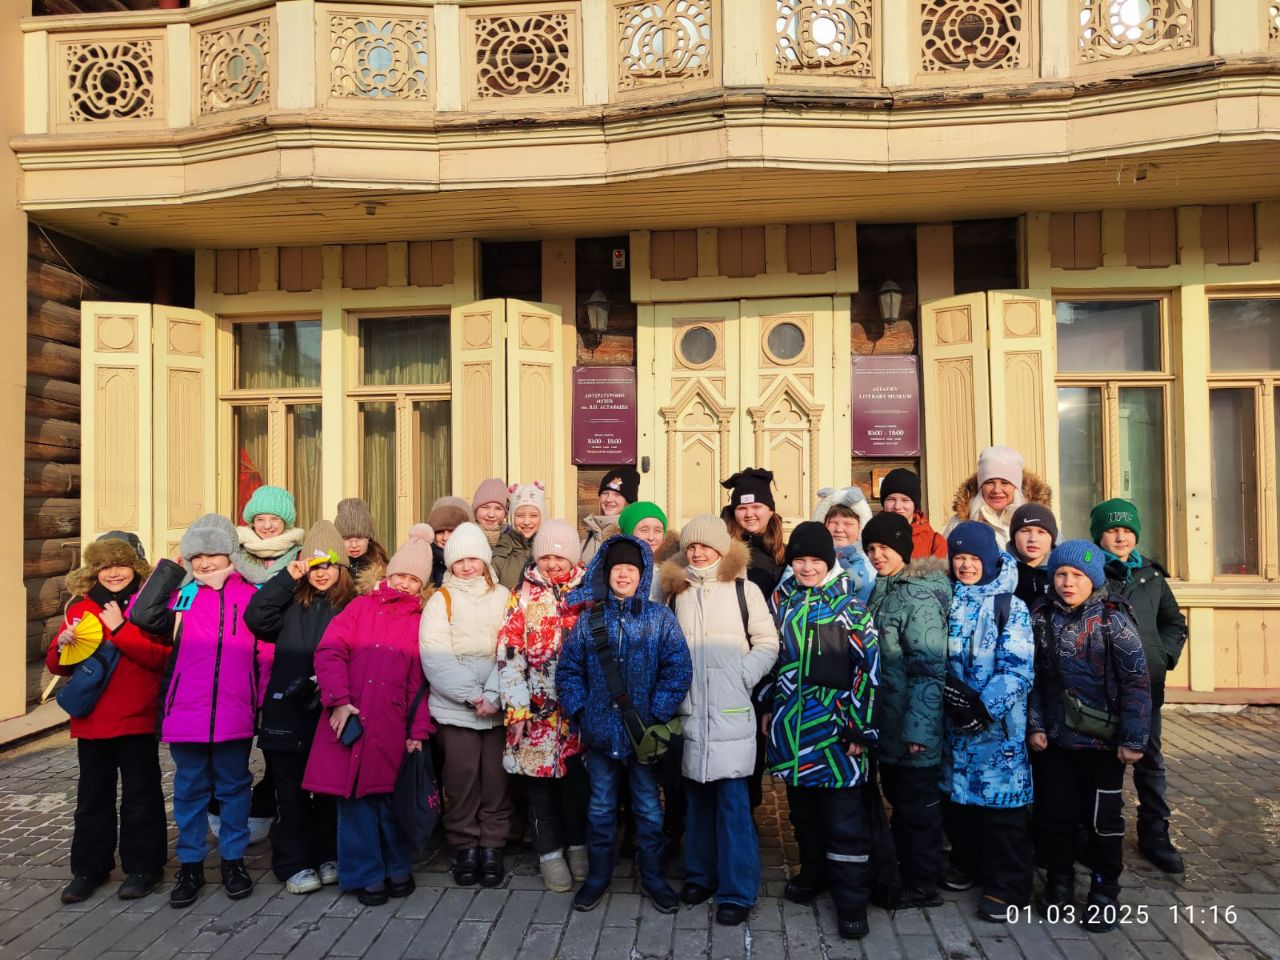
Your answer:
<point x="650" y="649"/>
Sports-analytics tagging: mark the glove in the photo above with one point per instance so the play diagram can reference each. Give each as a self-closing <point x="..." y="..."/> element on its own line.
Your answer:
<point x="964" y="708"/>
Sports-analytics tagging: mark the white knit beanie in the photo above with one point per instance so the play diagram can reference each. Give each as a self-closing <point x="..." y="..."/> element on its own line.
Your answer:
<point x="1000" y="463"/>
<point x="527" y="495"/>
<point x="708" y="530"/>
<point x="466" y="543"/>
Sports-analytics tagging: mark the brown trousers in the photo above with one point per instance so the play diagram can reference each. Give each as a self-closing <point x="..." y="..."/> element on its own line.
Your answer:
<point x="477" y="794"/>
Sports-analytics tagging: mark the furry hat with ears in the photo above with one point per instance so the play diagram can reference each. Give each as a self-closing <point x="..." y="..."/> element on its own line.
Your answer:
<point x="527" y="495"/>
<point x="851" y="497"/>
<point x="108" y="552"/>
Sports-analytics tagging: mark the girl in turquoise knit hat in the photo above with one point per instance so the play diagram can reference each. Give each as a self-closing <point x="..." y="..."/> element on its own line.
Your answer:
<point x="271" y="540"/>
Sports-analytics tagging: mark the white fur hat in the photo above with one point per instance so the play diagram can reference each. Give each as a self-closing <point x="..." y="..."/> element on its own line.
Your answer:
<point x="851" y="497"/>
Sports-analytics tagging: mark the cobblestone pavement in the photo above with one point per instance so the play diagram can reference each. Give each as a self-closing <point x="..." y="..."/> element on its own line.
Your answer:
<point x="1225" y="791"/>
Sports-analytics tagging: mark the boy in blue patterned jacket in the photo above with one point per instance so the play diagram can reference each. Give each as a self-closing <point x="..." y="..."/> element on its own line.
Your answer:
<point x="986" y="776"/>
<point x="653" y="663"/>
<point x="822" y="724"/>
<point x="1089" y="715"/>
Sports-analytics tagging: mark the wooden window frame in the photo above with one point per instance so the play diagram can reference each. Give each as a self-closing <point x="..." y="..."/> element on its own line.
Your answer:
<point x="1265" y="385"/>
<point x="1109" y="383"/>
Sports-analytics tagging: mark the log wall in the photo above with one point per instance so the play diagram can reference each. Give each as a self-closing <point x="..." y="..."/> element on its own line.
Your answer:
<point x="61" y="272"/>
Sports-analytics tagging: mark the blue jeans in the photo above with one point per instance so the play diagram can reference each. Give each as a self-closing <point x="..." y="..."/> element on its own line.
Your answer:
<point x="602" y="818"/>
<point x="371" y="846"/>
<point x="201" y="772"/>
<point x="721" y="852"/>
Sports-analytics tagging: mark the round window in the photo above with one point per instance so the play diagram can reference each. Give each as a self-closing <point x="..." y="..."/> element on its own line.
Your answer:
<point x="786" y="341"/>
<point x="697" y="346"/>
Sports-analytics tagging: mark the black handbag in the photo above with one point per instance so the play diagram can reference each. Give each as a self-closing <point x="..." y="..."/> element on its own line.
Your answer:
<point x="415" y="802"/>
<point x="960" y="702"/>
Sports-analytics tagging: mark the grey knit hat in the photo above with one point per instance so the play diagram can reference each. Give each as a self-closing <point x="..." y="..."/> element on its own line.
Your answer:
<point x="354" y="518"/>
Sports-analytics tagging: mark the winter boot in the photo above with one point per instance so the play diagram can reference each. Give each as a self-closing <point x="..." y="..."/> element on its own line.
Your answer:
<point x="1154" y="842"/>
<point x="1102" y="908"/>
<point x="1059" y="891"/>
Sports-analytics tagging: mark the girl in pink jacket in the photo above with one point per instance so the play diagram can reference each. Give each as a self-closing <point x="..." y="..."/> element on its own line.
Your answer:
<point x="369" y="674"/>
<point x="209" y="704"/>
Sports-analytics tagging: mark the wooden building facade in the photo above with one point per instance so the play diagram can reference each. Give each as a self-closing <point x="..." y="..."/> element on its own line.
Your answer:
<point x="396" y="214"/>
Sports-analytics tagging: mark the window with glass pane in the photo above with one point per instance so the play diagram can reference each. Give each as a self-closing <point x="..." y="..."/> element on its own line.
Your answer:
<point x="378" y="467"/>
<point x="304" y="461"/>
<point x="1244" y="334"/>
<point x="404" y="350"/>
<point x="1080" y="457"/>
<point x="1233" y="428"/>
<point x="434" y="437"/>
<point x="1108" y="335"/>
<point x="1142" y="464"/>
<point x="277" y="355"/>
<point x="252" y="445"/>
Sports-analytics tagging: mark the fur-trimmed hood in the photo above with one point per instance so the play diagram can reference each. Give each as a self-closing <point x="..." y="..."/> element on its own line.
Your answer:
<point x="97" y="557"/>
<point x="669" y="547"/>
<point x="674" y="579"/>
<point x="1034" y="490"/>
<point x="921" y="567"/>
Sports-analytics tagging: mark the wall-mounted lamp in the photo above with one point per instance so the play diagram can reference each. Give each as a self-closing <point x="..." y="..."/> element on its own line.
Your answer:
<point x="889" y="298"/>
<point x="597" y="320"/>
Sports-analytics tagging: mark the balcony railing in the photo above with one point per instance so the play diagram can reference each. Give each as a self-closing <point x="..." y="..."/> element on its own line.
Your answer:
<point x="242" y="59"/>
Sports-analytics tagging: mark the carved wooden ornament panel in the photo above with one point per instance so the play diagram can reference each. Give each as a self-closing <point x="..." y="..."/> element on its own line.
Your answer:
<point x="1273" y="21"/>
<point x="379" y="57"/>
<point x="112" y="79"/>
<point x="833" y="37"/>
<point x="663" y="40"/>
<point x="1112" y="29"/>
<point x="525" y="55"/>
<point x="235" y="66"/>
<point x="960" y="35"/>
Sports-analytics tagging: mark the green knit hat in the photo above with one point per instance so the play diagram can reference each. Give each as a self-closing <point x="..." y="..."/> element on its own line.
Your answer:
<point x="633" y="513"/>
<point x="276" y="501"/>
<point x="1114" y="513"/>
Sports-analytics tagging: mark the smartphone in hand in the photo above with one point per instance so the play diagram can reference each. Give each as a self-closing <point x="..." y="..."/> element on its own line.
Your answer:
<point x="352" y="731"/>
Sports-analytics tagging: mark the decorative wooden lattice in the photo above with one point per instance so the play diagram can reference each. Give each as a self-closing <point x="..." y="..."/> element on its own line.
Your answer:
<point x="665" y="40"/>
<point x="379" y="58"/>
<point x="523" y="55"/>
<point x="1111" y="29"/>
<point x="959" y="35"/>
<point x="235" y="67"/>
<point x="825" y="36"/>
<point x="110" y="81"/>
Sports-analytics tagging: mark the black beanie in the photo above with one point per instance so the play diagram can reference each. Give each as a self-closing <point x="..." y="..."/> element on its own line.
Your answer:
<point x="901" y="481"/>
<point x="812" y="539"/>
<point x="623" y="480"/>
<point x="751" y="485"/>
<point x="891" y="529"/>
<point x="623" y="550"/>
<point x="1034" y="515"/>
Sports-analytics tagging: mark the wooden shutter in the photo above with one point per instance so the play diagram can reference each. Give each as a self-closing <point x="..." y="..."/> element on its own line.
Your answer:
<point x="185" y="422"/>
<point x="957" y="411"/>
<point x="537" y="448"/>
<point x="479" y="386"/>
<point x="116" y="419"/>
<point x="1024" y="359"/>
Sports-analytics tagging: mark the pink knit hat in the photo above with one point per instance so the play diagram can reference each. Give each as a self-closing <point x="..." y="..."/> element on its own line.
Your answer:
<point x="492" y="490"/>
<point x="414" y="556"/>
<point x="1000" y="463"/>
<point x="557" y="538"/>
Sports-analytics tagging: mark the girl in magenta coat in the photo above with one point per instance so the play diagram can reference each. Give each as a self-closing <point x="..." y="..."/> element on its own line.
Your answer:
<point x="369" y="672"/>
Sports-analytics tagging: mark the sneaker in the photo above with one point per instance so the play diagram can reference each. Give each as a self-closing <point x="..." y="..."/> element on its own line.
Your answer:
<point x="957" y="881"/>
<point x="1102" y="908"/>
<point x="215" y="824"/>
<point x="79" y="889"/>
<point x="555" y="874"/>
<point x="993" y="909"/>
<point x="236" y="880"/>
<point x="259" y="829"/>
<point x="588" y="898"/>
<point x="1154" y="842"/>
<point x="186" y="885"/>
<point x="372" y="896"/>
<point x="577" y="857"/>
<point x="401" y="888"/>
<point x="329" y="873"/>
<point x="138" y="885"/>
<point x="854" y="926"/>
<point x="304" y="881"/>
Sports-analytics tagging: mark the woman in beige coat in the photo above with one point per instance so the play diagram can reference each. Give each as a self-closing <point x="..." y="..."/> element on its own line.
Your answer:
<point x="458" y="640"/>
<point x="733" y="643"/>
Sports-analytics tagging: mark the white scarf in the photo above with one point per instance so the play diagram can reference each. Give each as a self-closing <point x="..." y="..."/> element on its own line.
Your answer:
<point x="270" y="547"/>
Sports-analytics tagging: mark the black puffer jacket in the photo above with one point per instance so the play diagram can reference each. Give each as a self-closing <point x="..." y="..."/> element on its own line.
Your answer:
<point x="1161" y="624"/>
<point x="275" y="616"/>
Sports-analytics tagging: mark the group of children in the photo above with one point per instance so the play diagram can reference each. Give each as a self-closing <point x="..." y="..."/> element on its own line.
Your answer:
<point x="562" y="680"/>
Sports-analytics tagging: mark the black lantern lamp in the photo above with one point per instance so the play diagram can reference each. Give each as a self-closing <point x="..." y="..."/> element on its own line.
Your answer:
<point x="597" y="320"/>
